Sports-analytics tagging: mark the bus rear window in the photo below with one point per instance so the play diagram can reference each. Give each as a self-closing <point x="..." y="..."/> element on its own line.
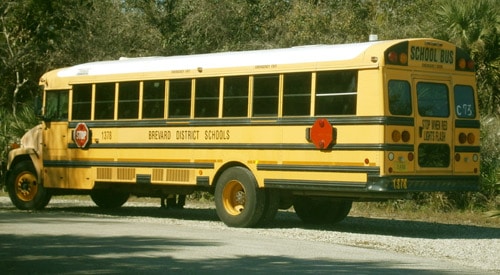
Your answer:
<point x="464" y="101"/>
<point x="399" y="97"/>
<point x="432" y="99"/>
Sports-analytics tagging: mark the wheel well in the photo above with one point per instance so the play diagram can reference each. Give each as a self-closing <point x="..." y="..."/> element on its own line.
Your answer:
<point x="19" y="159"/>
<point x="221" y="170"/>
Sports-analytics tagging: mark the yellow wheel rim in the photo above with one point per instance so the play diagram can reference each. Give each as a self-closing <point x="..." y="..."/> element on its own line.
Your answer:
<point x="26" y="186"/>
<point x="234" y="197"/>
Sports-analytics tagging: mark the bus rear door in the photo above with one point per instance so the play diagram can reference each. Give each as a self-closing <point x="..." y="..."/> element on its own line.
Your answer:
<point x="433" y="125"/>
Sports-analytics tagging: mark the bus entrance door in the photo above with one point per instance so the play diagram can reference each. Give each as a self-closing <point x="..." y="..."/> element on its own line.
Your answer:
<point x="55" y="139"/>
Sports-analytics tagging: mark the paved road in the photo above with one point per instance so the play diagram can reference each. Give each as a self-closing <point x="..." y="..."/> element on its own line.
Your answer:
<point x="83" y="239"/>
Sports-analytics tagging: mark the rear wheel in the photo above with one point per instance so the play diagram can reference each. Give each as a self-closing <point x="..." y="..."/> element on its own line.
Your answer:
<point x="25" y="191"/>
<point x="108" y="198"/>
<point x="271" y="206"/>
<point x="238" y="200"/>
<point x="321" y="210"/>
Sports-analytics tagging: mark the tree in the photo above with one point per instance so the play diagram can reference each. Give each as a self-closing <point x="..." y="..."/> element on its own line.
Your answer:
<point x="16" y="52"/>
<point x="39" y="35"/>
<point x="475" y="27"/>
<point x="99" y="30"/>
<point x="396" y="19"/>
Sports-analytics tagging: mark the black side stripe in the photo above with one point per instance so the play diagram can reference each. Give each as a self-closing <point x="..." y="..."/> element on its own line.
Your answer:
<point x="254" y="146"/>
<point x="374" y="170"/>
<point x="68" y="163"/>
<point x="306" y="121"/>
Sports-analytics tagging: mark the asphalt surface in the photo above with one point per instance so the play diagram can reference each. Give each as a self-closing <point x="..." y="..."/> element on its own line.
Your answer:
<point x="82" y="239"/>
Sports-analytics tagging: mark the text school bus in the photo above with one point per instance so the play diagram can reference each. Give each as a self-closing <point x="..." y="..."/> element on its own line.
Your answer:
<point x="313" y="127"/>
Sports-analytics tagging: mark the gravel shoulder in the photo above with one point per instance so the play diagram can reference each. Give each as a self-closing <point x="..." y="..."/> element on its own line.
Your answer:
<point x="467" y="245"/>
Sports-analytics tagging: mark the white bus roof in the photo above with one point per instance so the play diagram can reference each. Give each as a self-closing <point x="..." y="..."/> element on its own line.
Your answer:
<point x="301" y="54"/>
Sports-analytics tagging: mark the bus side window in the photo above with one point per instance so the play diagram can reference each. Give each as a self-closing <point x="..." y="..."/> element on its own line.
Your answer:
<point x="56" y="105"/>
<point x="104" y="101"/>
<point x="399" y="97"/>
<point x="336" y="93"/>
<point x="179" y="103"/>
<point x="206" y="103"/>
<point x="297" y="94"/>
<point x="128" y="100"/>
<point x="265" y="95"/>
<point x="82" y="102"/>
<point x="153" y="99"/>
<point x="235" y="96"/>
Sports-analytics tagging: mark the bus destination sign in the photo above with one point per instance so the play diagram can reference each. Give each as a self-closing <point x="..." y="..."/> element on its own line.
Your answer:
<point x="432" y="57"/>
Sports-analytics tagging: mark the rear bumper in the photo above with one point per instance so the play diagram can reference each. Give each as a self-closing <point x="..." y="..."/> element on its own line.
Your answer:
<point x="377" y="187"/>
<point x="423" y="184"/>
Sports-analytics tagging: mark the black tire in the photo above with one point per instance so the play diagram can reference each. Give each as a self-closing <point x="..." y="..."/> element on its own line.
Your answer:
<point x="108" y="198"/>
<point x="321" y="210"/>
<point x="238" y="200"/>
<point x="271" y="207"/>
<point x="25" y="191"/>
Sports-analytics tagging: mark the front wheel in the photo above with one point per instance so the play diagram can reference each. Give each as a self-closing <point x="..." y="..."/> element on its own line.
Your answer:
<point x="25" y="191"/>
<point x="238" y="200"/>
<point x="108" y="198"/>
<point x="321" y="210"/>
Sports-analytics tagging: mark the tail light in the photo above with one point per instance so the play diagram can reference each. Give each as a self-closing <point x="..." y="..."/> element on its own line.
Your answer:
<point x="462" y="138"/>
<point x="405" y="136"/>
<point x="397" y="136"/>
<point x="469" y="138"/>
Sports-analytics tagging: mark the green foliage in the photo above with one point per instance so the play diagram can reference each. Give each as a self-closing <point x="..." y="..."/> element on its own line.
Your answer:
<point x="40" y="35"/>
<point x="490" y="155"/>
<point x="395" y="19"/>
<point x="18" y="56"/>
<point x="12" y="128"/>
<point x="474" y="25"/>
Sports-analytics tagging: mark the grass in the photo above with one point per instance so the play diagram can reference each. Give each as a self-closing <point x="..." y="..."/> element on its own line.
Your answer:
<point x="407" y="210"/>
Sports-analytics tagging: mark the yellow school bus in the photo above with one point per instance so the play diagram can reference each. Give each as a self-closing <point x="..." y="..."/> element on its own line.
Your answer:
<point x="313" y="127"/>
